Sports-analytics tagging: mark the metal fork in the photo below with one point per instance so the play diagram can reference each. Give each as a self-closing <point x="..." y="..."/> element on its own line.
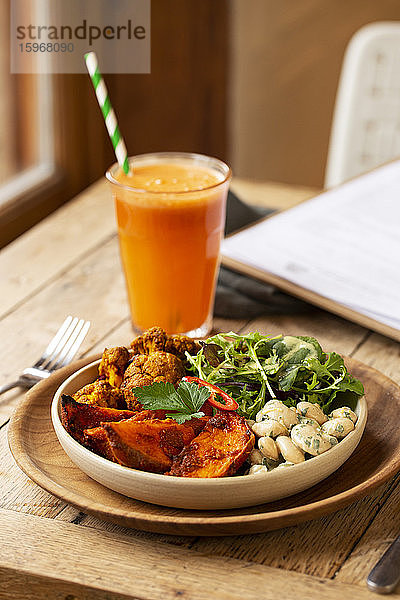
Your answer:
<point x="59" y="353"/>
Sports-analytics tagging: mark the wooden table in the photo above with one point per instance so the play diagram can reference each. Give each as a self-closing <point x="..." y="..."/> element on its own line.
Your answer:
<point x="69" y="264"/>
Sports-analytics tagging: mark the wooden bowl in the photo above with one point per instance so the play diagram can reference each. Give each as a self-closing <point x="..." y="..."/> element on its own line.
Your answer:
<point x="190" y="493"/>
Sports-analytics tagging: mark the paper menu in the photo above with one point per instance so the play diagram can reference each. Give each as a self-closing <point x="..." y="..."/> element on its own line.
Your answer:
<point x="343" y="244"/>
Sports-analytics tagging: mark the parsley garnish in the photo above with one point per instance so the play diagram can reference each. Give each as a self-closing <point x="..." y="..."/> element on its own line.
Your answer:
<point x="185" y="401"/>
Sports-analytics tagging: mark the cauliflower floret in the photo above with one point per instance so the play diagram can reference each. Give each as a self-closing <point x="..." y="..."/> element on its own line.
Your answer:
<point x="179" y="344"/>
<point x="101" y="393"/>
<point x="113" y="364"/>
<point x="152" y="340"/>
<point x="156" y="340"/>
<point x="147" y="369"/>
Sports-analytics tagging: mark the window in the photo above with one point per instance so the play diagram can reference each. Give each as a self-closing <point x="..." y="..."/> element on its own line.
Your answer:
<point x="27" y="151"/>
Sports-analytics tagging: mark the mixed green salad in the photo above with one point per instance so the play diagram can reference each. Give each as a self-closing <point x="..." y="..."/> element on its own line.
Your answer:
<point x="254" y="368"/>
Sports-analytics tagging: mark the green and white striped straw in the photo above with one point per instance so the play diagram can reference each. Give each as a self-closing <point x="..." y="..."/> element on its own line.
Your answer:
<point x="107" y="110"/>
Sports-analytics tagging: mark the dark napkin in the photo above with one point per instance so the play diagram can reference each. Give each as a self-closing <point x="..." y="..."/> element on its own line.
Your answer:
<point x="239" y="296"/>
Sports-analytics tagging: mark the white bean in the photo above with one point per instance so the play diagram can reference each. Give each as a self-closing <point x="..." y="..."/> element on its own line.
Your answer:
<point x="289" y="451"/>
<point x="344" y="411"/>
<point x="268" y="448"/>
<point x="308" y="421"/>
<point x="268" y="406"/>
<point x="309" y="439"/>
<point x="339" y="427"/>
<point x="330" y="438"/>
<point x="269" y="428"/>
<point x="255" y="457"/>
<point x="255" y="469"/>
<point x="277" y="411"/>
<point x="272" y="403"/>
<point x="307" y="409"/>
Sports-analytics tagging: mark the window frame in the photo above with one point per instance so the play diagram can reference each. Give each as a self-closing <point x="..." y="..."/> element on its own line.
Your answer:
<point x="43" y="171"/>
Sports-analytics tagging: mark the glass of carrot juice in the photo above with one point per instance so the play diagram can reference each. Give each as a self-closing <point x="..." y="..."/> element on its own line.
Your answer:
<point x="171" y="213"/>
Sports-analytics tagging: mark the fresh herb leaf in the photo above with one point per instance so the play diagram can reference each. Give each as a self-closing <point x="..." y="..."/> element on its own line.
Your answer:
<point x="158" y="396"/>
<point x="182" y="418"/>
<point x="288" y="378"/>
<point x="334" y="363"/>
<point x="212" y="353"/>
<point x="192" y="395"/>
<point x="313" y="342"/>
<point x="185" y="401"/>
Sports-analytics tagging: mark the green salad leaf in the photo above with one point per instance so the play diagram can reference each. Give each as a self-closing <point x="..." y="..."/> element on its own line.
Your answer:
<point x="185" y="401"/>
<point x="254" y="368"/>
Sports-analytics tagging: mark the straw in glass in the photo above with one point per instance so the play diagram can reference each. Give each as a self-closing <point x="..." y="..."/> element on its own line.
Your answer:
<point x="107" y="110"/>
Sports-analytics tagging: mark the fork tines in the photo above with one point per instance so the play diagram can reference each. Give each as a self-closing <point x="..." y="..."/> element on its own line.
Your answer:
<point x="64" y="345"/>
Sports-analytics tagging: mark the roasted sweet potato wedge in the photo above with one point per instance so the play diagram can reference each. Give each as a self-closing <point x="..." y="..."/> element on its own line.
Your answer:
<point x="96" y="439"/>
<point x="149" y="445"/>
<point x="218" y="451"/>
<point x="145" y="415"/>
<point x="76" y="417"/>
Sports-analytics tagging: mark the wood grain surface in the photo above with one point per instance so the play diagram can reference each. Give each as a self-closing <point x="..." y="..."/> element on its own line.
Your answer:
<point x="51" y="549"/>
<point x="141" y="569"/>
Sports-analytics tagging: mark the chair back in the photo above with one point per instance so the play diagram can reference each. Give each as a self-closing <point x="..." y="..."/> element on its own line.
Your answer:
<point x="366" y="124"/>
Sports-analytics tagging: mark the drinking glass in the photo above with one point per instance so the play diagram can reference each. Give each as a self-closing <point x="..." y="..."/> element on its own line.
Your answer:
<point x="171" y="213"/>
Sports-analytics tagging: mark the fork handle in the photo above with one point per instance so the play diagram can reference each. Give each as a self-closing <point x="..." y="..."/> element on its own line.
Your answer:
<point x="10" y="386"/>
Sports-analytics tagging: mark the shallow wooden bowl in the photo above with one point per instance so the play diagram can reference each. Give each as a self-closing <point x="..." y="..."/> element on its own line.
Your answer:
<point x="197" y="493"/>
<point x="376" y="459"/>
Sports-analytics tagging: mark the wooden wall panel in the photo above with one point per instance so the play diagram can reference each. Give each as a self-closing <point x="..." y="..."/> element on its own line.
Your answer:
<point x="286" y="58"/>
<point x="182" y="104"/>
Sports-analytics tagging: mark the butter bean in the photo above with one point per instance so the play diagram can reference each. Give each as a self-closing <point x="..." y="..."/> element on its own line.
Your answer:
<point x="308" y="421"/>
<point x="269" y="428"/>
<point x="344" y="411"/>
<point x="339" y="427"/>
<point x="255" y="469"/>
<point x="255" y="457"/>
<point x="309" y="439"/>
<point x="289" y="451"/>
<point x="307" y="409"/>
<point x="268" y="448"/>
<point x="276" y="410"/>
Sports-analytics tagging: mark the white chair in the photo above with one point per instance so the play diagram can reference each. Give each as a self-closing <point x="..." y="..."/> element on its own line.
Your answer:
<point x="366" y="124"/>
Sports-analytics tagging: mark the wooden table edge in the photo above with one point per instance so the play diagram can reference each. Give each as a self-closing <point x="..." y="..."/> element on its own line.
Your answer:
<point x="129" y="578"/>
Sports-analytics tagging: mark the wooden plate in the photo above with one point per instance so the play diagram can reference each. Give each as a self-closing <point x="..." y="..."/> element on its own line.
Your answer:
<point x="38" y="453"/>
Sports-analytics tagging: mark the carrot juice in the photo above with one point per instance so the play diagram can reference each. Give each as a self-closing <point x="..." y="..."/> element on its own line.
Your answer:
<point x="171" y="214"/>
